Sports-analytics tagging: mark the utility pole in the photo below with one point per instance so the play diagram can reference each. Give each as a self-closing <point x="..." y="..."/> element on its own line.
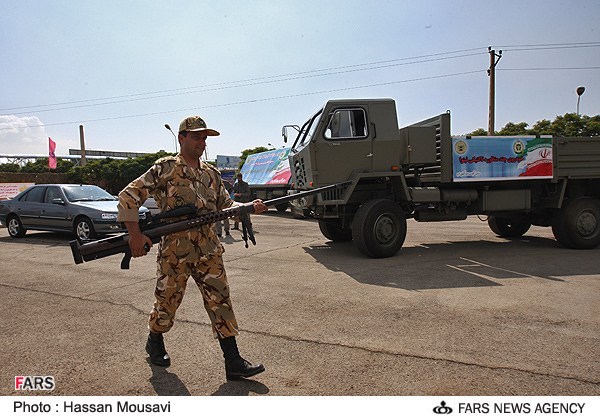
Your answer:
<point x="494" y="58"/>
<point x="82" y="144"/>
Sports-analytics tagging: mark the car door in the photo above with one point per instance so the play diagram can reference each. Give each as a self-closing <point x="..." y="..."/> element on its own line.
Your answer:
<point x="29" y="207"/>
<point x="53" y="213"/>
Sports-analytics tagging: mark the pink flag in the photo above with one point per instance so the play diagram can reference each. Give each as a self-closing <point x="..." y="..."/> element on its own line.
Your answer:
<point x="51" y="154"/>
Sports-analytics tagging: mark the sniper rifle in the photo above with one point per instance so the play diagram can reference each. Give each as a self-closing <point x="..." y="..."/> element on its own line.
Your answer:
<point x="157" y="227"/>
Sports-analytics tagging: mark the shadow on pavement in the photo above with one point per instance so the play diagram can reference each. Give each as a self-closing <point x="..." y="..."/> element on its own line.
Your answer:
<point x="241" y="388"/>
<point x="166" y="383"/>
<point x="458" y="264"/>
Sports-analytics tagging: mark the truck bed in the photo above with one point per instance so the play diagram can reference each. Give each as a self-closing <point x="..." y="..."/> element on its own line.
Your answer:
<point x="577" y="158"/>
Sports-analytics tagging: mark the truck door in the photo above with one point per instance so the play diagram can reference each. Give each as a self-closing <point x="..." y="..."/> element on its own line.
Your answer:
<point x="346" y="145"/>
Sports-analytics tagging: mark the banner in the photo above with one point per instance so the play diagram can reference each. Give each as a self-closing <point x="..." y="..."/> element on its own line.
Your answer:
<point x="10" y="190"/>
<point x="488" y="158"/>
<point x="51" y="154"/>
<point x="269" y="167"/>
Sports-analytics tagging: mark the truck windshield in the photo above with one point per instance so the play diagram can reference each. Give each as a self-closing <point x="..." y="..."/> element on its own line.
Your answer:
<point x="307" y="131"/>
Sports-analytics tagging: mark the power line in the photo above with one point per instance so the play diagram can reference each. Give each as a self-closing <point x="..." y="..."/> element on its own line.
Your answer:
<point x="524" y="47"/>
<point x="552" y="46"/>
<point x="252" y="82"/>
<point x="306" y="74"/>
<point x="252" y="101"/>
<point x="292" y="76"/>
<point x="548" y="68"/>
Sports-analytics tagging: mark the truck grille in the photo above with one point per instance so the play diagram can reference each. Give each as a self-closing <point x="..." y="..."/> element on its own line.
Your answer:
<point x="300" y="173"/>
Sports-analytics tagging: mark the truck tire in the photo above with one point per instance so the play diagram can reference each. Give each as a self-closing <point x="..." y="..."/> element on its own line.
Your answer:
<point x="333" y="232"/>
<point x="282" y="207"/>
<point x="577" y="224"/>
<point x="509" y="227"/>
<point x="379" y="228"/>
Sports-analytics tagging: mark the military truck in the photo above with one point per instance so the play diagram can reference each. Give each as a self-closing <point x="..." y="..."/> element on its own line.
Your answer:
<point x="422" y="172"/>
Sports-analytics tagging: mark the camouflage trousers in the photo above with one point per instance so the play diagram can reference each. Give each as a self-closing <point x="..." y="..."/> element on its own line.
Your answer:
<point x="209" y="275"/>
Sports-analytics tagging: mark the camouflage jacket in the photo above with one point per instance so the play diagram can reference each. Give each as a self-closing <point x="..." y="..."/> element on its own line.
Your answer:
<point x="173" y="183"/>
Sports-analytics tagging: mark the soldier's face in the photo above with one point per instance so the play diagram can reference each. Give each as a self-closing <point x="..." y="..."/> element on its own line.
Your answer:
<point x="193" y="144"/>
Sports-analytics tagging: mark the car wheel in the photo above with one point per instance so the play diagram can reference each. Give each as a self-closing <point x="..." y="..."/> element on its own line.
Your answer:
<point x="15" y="227"/>
<point x="84" y="229"/>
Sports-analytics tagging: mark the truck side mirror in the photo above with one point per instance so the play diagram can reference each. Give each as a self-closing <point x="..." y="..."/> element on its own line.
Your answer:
<point x="284" y="134"/>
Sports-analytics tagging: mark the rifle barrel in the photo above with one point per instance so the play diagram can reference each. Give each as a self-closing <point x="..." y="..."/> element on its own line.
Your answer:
<point x="290" y="197"/>
<point x="119" y="244"/>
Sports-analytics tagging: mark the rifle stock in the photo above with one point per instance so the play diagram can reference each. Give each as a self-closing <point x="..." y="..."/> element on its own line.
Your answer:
<point x="119" y="244"/>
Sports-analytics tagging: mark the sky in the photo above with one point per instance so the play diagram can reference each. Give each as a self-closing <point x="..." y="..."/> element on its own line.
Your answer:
<point x="123" y="69"/>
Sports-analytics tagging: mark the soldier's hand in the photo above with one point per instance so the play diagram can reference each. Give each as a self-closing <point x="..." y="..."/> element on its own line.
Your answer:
<point x="139" y="244"/>
<point x="259" y="206"/>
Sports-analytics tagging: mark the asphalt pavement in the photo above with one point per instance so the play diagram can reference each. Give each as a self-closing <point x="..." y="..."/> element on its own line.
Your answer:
<point x="458" y="311"/>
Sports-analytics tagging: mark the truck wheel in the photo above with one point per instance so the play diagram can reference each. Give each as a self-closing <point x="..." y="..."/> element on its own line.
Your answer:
<point x="509" y="227"/>
<point x="281" y="208"/>
<point x="379" y="228"/>
<point x="577" y="224"/>
<point x="15" y="227"/>
<point x="334" y="233"/>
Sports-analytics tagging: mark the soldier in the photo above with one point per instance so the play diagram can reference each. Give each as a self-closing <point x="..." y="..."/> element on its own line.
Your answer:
<point x="225" y="222"/>
<point x="241" y="193"/>
<point x="173" y="182"/>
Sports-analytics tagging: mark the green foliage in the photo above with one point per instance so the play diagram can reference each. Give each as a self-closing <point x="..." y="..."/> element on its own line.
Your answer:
<point x="514" y="129"/>
<point x="479" y="132"/>
<point x="9" y="168"/>
<point x="568" y="125"/>
<point x="247" y="152"/>
<point x="41" y="166"/>
<point x="108" y="173"/>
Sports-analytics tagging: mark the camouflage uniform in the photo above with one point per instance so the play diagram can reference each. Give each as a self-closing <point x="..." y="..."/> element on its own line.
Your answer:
<point x="196" y="252"/>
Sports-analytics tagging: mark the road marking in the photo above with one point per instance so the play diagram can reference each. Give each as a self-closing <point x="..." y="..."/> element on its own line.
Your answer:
<point x="474" y="263"/>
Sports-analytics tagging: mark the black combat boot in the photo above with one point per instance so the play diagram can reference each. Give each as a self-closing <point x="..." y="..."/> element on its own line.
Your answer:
<point x="155" y="347"/>
<point x="235" y="366"/>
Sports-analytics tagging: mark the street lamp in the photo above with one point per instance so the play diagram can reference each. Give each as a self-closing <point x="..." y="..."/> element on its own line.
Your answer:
<point x="171" y="130"/>
<point x="580" y="91"/>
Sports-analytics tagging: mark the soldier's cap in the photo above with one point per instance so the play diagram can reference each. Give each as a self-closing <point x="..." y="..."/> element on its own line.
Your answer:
<point x="196" y="124"/>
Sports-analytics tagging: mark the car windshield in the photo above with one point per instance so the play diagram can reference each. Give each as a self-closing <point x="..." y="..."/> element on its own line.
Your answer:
<point x="87" y="194"/>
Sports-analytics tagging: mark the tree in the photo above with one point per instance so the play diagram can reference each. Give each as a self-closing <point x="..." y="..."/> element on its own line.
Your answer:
<point x="40" y="165"/>
<point x="479" y="132"/>
<point x="567" y="125"/>
<point x="111" y="174"/>
<point x="514" y="129"/>
<point x="9" y="168"/>
<point x="542" y="127"/>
